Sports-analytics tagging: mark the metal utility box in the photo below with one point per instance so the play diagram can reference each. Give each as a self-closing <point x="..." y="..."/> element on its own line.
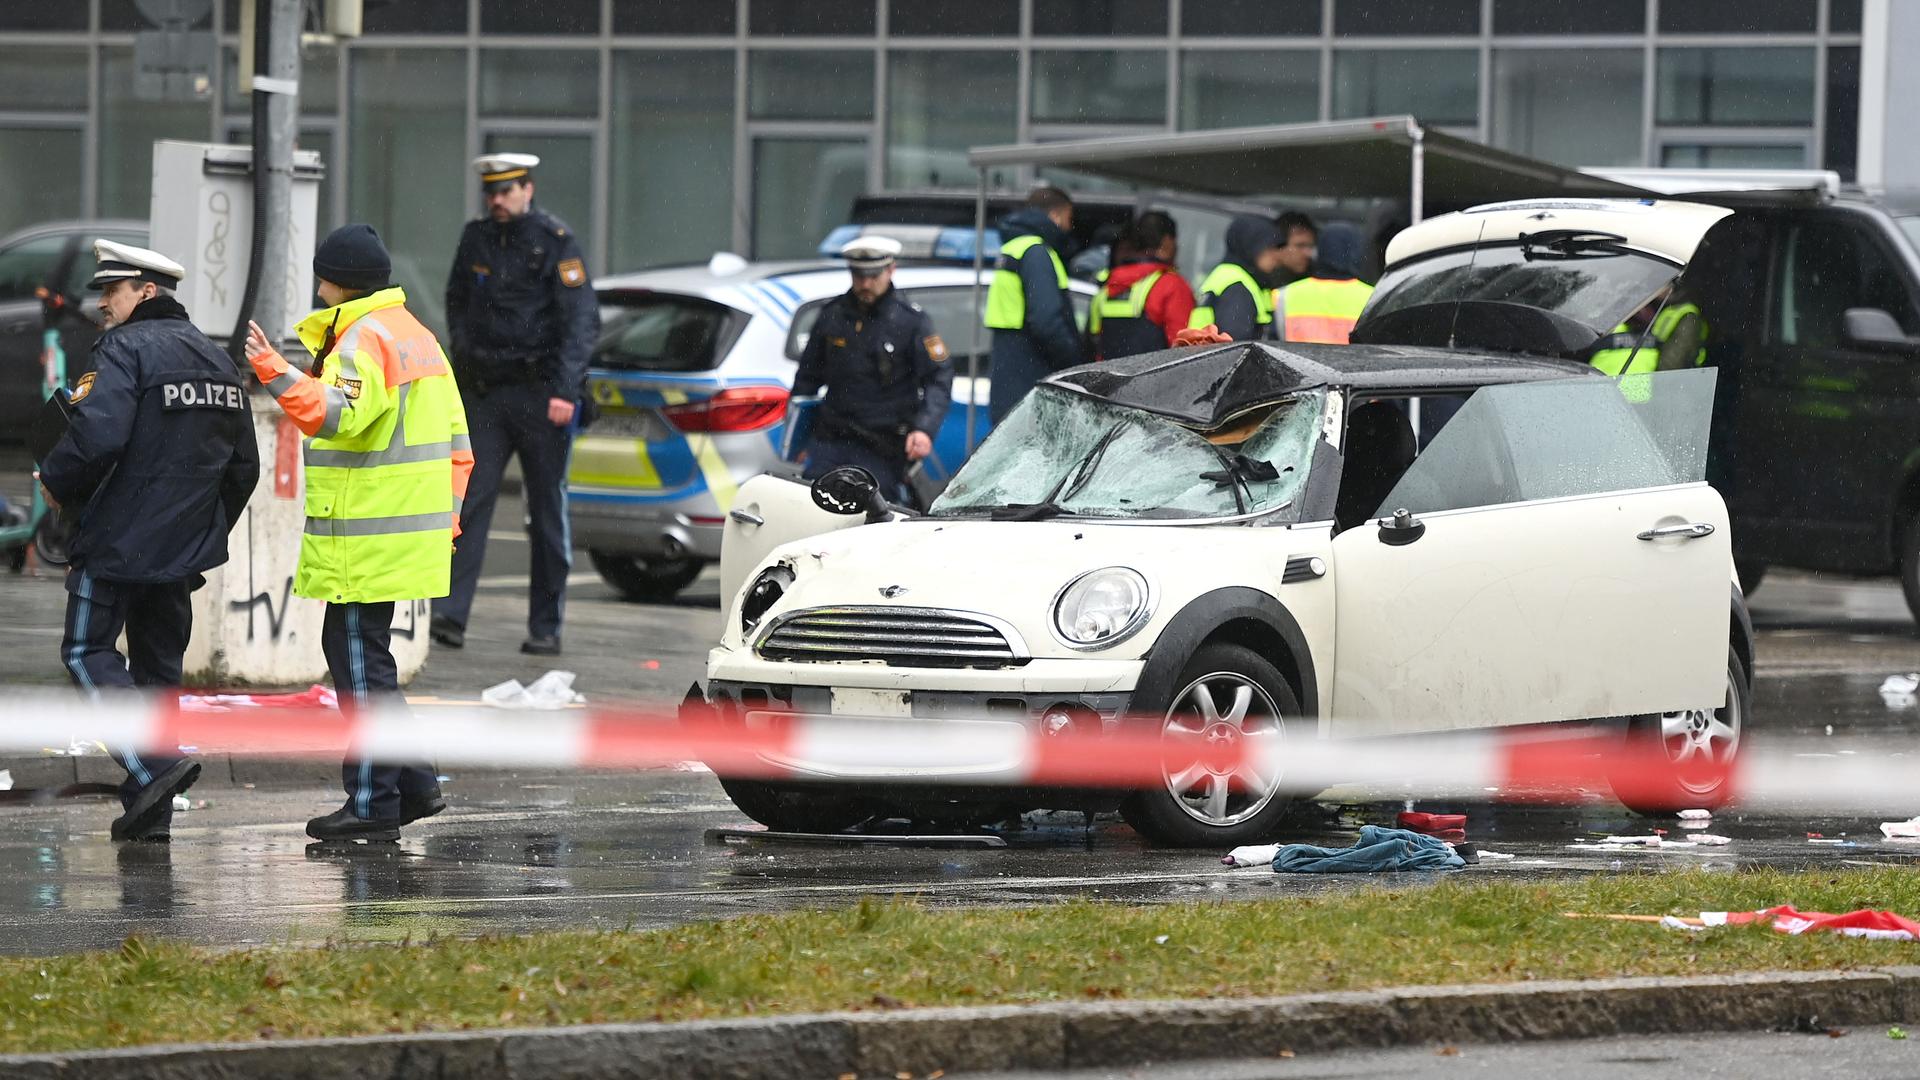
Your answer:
<point x="202" y="216"/>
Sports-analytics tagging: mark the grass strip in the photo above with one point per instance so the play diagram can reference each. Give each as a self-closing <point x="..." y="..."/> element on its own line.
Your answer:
<point x="895" y="953"/>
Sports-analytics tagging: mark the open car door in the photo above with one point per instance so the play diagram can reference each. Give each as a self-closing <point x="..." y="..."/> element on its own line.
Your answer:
<point x="1565" y="559"/>
<point x="769" y="510"/>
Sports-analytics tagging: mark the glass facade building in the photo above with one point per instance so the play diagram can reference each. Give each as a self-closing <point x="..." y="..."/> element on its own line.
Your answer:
<point x="673" y="128"/>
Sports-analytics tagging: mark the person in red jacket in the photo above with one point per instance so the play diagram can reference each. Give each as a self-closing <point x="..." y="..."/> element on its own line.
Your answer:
<point x="1143" y="301"/>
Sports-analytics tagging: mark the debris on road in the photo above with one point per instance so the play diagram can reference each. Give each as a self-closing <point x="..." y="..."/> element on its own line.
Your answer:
<point x="1898" y="691"/>
<point x="1864" y="923"/>
<point x="315" y="696"/>
<point x="554" y="690"/>
<point x="1440" y="826"/>
<point x="1378" y="849"/>
<point x="1695" y="815"/>
<point x="1901" y="830"/>
<point x="1252" y="855"/>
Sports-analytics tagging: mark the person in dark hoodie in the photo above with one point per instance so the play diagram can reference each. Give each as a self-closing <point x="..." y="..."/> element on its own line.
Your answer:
<point x="1237" y="296"/>
<point x="1143" y="300"/>
<point x="1027" y="306"/>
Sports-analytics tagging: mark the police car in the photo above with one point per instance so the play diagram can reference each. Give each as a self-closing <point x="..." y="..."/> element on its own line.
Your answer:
<point x="1247" y="543"/>
<point x="691" y="376"/>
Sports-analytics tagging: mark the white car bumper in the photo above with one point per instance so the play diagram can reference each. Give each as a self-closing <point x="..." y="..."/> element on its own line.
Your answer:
<point x="1041" y="675"/>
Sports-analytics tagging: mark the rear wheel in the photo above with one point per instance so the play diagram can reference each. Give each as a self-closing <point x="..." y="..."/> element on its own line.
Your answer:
<point x="643" y="579"/>
<point x="1680" y="760"/>
<point x="796" y="811"/>
<point x="1212" y="793"/>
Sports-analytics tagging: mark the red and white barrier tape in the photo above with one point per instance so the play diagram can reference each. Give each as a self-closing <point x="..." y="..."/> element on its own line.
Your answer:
<point x="1525" y="765"/>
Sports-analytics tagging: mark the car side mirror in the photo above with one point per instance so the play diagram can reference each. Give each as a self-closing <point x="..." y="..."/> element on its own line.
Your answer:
<point x="1401" y="528"/>
<point x="1873" y="328"/>
<point x="849" y="490"/>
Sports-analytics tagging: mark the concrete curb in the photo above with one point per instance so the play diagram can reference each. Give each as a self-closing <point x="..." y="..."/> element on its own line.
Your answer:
<point x="1041" y="1037"/>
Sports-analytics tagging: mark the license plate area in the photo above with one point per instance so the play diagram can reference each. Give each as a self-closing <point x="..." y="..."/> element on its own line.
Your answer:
<point x="644" y="425"/>
<point x="855" y="702"/>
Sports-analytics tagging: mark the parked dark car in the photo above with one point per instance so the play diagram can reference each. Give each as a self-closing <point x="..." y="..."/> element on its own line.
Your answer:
<point x="58" y="256"/>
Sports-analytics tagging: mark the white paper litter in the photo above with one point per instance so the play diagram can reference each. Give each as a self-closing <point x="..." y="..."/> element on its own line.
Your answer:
<point x="1254" y="855"/>
<point x="554" y="690"/>
<point x="1898" y="690"/>
<point x="1695" y="815"/>
<point x="6" y="779"/>
<point x="1710" y="840"/>
<point x="181" y="802"/>
<point x="1901" y="830"/>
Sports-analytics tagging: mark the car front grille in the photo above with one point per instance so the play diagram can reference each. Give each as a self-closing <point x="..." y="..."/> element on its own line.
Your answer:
<point x="899" y="636"/>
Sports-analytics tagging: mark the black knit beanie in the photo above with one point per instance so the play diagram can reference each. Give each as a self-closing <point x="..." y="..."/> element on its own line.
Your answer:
<point x="353" y="257"/>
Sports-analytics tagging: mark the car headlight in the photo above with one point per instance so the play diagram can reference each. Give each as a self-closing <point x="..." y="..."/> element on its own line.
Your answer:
<point x="1101" y="608"/>
<point x="767" y="589"/>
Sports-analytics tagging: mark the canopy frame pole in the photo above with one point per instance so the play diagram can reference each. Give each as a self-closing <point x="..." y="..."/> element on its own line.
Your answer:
<point x="979" y="314"/>
<point x="1419" y="193"/>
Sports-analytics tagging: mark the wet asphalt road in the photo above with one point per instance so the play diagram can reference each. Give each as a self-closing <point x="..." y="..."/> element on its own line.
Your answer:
<point x="520" y="852"/>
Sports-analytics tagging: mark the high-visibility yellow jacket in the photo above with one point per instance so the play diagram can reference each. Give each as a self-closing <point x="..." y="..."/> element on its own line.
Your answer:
<point x="1625" y="352"/>
<point x="388" y="455"/>
<point x="1320" y="309"/>
<point x="1219" y="280"/>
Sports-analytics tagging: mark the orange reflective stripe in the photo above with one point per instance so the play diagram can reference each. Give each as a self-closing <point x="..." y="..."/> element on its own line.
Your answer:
<point x="1325" y="329"/>
<point x="408" y="350"/>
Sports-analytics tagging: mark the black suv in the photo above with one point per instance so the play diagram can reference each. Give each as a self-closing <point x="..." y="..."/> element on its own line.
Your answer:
<point x="1812" y="303"/>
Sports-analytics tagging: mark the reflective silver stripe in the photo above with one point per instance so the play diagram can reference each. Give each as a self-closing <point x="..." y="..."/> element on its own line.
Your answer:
<point x="458" y="502"/>
<point x="392" y="455"/>
<point x="463" y="442"/>
<point x="282" y="383"/>
<point x="380" y="526"/>
<point x="336" y="404"/>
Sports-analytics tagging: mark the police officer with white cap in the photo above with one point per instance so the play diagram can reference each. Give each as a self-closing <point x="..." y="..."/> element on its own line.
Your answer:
<point x="886" y="371"/>
<point x="156" y="466"/>
<point x="523" y="319"/>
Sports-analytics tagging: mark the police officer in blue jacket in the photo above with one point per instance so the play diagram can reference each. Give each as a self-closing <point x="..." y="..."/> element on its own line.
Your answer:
<point x="523" y="319"/>
<point x="157" y="464"/>
<point x="886" y="371"/>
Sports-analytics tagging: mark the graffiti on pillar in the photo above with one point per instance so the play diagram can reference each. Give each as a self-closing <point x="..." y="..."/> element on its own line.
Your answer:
<point x="276" y="619"/>
<point x="407" y="618"/>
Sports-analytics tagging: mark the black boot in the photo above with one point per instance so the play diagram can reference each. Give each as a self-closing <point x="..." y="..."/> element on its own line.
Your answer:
<point x="147" y="816"/>
<point x="447" y="632"/>
<point x="424" y="805"/>
<point x="343" y="825"/>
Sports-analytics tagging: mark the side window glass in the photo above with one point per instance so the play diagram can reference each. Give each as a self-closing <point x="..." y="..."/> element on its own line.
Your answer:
<point x="802" y="326"/>
<point x="1827" y="267"/>
<point x="1550" y="440"/>
<point x="28" y="265"/>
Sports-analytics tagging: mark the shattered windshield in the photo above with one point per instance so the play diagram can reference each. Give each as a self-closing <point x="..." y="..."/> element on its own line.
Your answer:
<point x="1064" y="454"/>
<point x="1595" y="284"/>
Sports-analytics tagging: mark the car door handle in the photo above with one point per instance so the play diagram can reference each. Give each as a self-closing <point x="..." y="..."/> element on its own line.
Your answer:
<point x="746" y="517"/>
<point x="1681" y="532"/>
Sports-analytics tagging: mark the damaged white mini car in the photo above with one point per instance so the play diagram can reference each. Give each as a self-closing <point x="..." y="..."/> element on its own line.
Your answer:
<point x="1250" y="542"/>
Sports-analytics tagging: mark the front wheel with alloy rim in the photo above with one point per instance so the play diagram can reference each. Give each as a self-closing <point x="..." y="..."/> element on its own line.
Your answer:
<point x="1682" y="760"/>
<point x="1221" y="740"/>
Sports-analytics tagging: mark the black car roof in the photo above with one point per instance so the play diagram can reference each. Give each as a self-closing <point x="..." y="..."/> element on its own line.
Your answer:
<point x="1206" y="386"/>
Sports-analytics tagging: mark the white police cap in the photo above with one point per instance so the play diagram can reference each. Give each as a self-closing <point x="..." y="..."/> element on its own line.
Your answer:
<point x="870" y="252"/>
<point x="123" y="262"/>
<point x="501" y="168"/>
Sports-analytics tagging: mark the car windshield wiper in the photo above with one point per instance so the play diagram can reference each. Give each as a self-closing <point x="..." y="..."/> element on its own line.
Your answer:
<point x="1083" y="472"/>
<point x="1572" y="244"/>
<point x="1039" y="511"/>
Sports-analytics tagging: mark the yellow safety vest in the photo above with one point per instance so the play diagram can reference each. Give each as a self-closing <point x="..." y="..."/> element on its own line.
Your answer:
<point x="1322" y="309"/>
<point x="1131" y="306"/>
<point x="1219" y="280"/>
<point x="1620" y="344"/>
<point x="381" y="498"/>
<point x="1006" y="299"/>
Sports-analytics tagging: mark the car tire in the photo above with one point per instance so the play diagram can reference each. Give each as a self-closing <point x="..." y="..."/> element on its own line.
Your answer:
<point x="786" y="810"/>
<point x="1684" y="760"/>
<point x="1224" y="692"/>
<point x="645" y="580"/>
<point x="1752" y="572"/>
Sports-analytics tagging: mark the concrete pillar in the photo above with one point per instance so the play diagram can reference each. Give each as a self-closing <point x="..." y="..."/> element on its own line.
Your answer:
<point x="1889" y="85"/>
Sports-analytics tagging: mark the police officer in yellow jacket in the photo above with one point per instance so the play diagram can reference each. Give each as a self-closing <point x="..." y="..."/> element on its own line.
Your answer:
<point x="1667" y="333"/>
<point x="387" y="461"/>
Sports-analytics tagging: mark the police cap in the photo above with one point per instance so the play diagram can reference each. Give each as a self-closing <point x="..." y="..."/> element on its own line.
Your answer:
<point x="124" y="262"/>
<point x="498" y="169"/>
<point x="870" y="254"/>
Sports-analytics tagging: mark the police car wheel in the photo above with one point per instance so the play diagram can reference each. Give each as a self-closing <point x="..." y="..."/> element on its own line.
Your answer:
<point x="645" y="580"/>
<point x="784" y="810"/>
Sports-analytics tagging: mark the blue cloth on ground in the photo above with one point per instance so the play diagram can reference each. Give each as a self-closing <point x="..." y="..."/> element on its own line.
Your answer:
<point x="1378" y="849"/>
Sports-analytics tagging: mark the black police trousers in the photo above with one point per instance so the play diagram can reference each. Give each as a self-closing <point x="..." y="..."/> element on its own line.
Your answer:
<point x="357" y="640"/>
<point x="503" y="421"/>
<point x="158" y="619"/>
<point x="825" y="455"/>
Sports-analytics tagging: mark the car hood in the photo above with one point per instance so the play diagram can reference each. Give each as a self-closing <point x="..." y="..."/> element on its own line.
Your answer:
<point x="1012" y="571"/>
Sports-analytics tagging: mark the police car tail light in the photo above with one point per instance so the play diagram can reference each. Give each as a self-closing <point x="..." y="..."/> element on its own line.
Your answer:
<point x="737" y="408"/>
